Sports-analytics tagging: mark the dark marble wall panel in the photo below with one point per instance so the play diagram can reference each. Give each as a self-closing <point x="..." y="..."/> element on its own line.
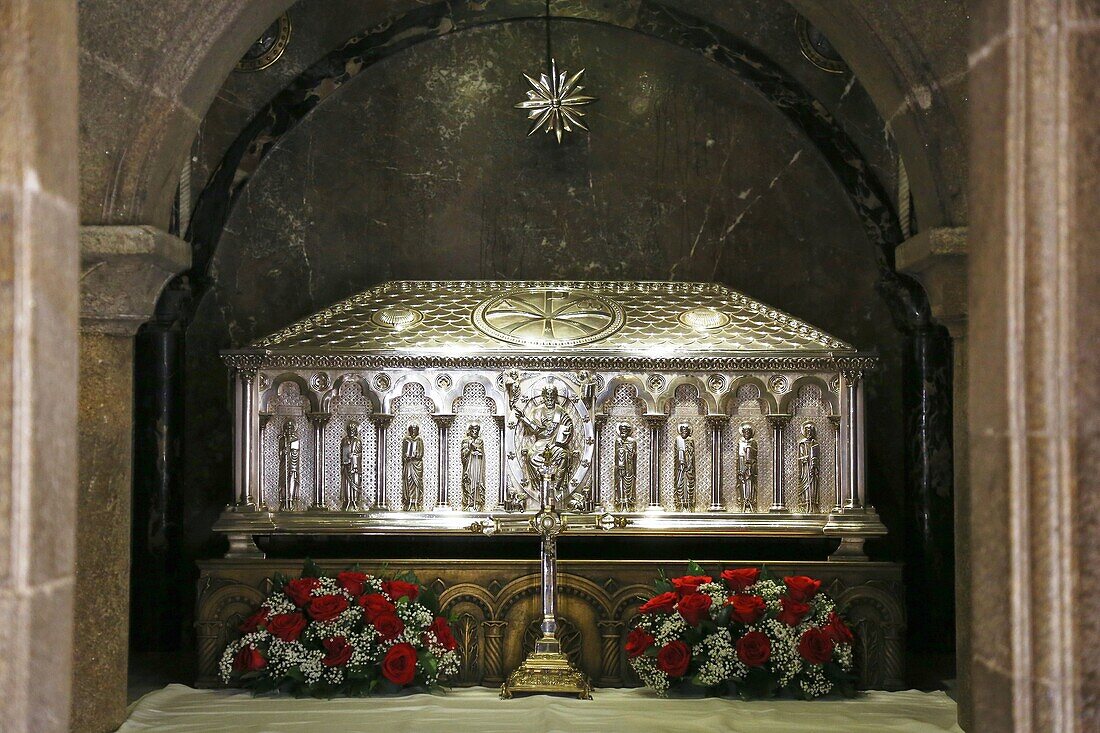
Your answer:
<point x="419" y="168"/>
<point x="319" y="26"/>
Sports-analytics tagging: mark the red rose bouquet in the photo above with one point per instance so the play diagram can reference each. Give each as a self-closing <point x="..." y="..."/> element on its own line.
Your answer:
<point x="350" y="634"/>
<point x="742" y="632"/>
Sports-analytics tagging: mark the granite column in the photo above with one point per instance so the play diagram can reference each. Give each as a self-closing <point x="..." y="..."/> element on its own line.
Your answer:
<point x="123" y="269"/>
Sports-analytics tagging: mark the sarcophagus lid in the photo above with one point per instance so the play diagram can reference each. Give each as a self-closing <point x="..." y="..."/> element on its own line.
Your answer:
<point x="473" y="323"/>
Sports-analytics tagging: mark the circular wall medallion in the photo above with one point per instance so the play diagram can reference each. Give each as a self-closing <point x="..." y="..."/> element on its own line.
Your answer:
<point x="396" y="318"/>
<point x="268" y="48"/>
<point x="704" y="319"/>
<point x="549" y="317"/>
<point x="817" y="49"/>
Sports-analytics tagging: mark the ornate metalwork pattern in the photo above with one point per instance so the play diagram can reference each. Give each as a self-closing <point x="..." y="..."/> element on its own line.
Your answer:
<point x="568" y="634"/>
<point x="747" y="408"/>
<point x="552" y="102"/>
<point x="476" y="320"/>
<point x="685" y="408"/>
<point x="349" y="404"/>
<point x="549" y="317"/>
<point x="586" y="362"/>
<point x="809" y="406"/>
<point x="474" y="408"/>
<point x="268" y="48"/>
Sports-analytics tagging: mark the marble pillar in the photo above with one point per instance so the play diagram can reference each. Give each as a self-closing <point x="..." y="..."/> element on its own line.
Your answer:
<point x="938" y="258"/>
<point x="123" y="269"/>
<point x="38" y="360"/>
<point x="1034" y="314"/>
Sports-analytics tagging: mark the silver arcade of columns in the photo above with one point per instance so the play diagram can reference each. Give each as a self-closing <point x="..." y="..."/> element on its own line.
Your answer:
<point x="424" y="407"/>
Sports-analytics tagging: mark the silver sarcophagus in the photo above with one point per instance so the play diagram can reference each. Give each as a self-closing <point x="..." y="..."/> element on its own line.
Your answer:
<point x="427" y="407"/>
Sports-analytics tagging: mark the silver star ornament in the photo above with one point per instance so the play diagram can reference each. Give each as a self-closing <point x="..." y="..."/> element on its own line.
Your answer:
<point x="552" y="102"/>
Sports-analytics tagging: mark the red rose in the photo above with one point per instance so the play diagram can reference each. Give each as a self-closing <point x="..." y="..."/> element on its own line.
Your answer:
<point x="374" y="605"/>
<point x="397" y="589"/>
<point x="253" y="622"/>
<point x="352" y="581"/>
<point x="664" y="603"/>
<point x="389" y="626"/>
<point x="738" y="579"/>
<point x="689" y="583"/>
<point x="694" y="608"/>
<point x="442" y="631"/>
<point x="754" y="649"/>
<point x="337" y="651"/>
<point x="793" y="611"/>
<point x="674" y="658"/>
<point x="801" y="588"/>
<point x="746" y="609"/>
<point x="399" y="664"/>
<point x="300" y="589"/>
<point x="816" y="646"/>
<point x="326" y="608"/>
<point x="637" y="641"/>
<point x="838" y="630"/>
<point x="287" y="626"/>
<point x="248" y="659"/>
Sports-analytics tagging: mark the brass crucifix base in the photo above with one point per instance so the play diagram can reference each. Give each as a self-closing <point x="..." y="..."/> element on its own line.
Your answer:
<point x="548" y="671"/>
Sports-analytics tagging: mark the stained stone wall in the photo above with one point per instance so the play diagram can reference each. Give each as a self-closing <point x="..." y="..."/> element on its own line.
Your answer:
<point x="419" y="168"/>
<point x="38" y="361"/>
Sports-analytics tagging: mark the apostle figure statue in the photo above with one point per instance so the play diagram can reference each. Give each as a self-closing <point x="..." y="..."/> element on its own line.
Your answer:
<point x="684" y="484"/>
<point x="809" y="469"/>
<point x="290" y="465"/>
<point x="550" y="429"/>
<point x="473" y="469"/>
<point x="747" y="451"/>
<point x="412" y="470"/>
<point x="351" y="469"/>
<point x="626" y="469"/>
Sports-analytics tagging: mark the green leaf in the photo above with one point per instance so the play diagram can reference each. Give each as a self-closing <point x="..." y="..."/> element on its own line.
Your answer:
<point x="311" y="569"/>
<point x="695" y="568"/>
<point x="662" y="584"/>
<point x="278" y="582"/>
<point x="724" y="616"/>
<point x="430" y="599"/>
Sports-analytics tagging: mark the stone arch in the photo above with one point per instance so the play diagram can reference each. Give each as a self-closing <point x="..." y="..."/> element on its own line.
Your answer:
<point x="865" y="193"/>
<point x="909" y="85"/>
<point x="177" y="58"/>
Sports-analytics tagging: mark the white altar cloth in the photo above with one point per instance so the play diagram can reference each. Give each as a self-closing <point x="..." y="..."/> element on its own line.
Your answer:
<point x="181" y="709"/>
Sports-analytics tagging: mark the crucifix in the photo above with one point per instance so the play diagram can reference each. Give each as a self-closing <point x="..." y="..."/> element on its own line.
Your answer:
<point x="545" y="460"/>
